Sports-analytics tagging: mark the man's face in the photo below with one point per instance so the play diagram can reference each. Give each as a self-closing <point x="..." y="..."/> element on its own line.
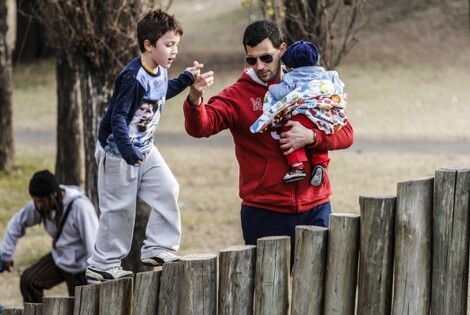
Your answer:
<point x="42" y="204"/>
<point x="266" y="71"/>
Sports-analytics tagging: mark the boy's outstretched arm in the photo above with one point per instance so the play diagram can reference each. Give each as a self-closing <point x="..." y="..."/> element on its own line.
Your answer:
<point x="185" y="79"/>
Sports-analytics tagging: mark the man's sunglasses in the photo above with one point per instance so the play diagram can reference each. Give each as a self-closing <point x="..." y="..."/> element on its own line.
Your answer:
<point x="266" y="58"/>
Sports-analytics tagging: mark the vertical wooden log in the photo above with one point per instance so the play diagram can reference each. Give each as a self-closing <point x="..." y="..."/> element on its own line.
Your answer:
<point x="116" y="297"/>
<point x="57" y="305"/>
<point x="413" y="222"/>
<point x="376" y="255"/>
<point x="168" y="300"/>
<point x="12" y="311"/>
<point x="147" y="287"/>
<point x="32" y="309"/>
<point x="198" y="284"/>
<point x="308" y="274"/>
<point x="86" y="300"/>
<point x="342" y="262"/>
<point x="272" y="275"/>
<point x="237" y="266"/>
<point x="450" y="241"/>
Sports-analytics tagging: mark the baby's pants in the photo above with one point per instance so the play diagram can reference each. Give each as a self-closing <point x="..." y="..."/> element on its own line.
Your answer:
<point x="300" y="155"/>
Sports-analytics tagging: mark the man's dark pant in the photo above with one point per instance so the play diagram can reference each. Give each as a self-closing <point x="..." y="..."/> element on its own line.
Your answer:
<point x="257" y="223"/>
<point x="44" y="275"/>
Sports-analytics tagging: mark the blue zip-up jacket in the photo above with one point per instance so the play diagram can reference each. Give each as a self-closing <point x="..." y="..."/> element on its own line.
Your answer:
<point x="135" y="108"/>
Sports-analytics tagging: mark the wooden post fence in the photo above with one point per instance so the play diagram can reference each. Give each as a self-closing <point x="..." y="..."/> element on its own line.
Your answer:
<point x="12" y="311"/>
<point x="146" y="292"/>
<point x="413" y="227"/>
<point x="376" y="255"/>
<point x="198" y="284"/>
<point x="116" y="297"/>
<point x="86" y="300"/>
<point x="407" y="254"/>
<point x="450" y="241"/>
<point x="32" y="309"/>
<point x="169" y="289"/>
<point x="237" y="266"/>
<point x="272" y="276"/>
<point x="57" y="305"/>
<point x="341" y="264"/>
<point x="308" y="274"/>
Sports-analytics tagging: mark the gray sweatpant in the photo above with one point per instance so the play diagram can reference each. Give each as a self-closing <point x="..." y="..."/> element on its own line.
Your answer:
<point x="119" y="184"/>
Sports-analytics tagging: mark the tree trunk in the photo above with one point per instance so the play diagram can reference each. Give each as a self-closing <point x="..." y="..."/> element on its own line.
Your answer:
<point x="95" y="88"/>
<point x="132" y="261"/>
<point x="32" y="40"/>
<point x="7" y="148"/>
<point x="69" y="135"/>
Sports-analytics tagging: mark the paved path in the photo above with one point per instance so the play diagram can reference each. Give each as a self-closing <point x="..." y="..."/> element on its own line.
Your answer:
<point x="224" y="140"/>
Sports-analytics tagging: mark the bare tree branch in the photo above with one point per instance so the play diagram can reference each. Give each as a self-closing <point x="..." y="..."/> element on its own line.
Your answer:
<point x="330" y="24"/>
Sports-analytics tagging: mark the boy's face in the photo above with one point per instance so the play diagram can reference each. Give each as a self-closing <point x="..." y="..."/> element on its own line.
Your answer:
<point x="164" y="51"/>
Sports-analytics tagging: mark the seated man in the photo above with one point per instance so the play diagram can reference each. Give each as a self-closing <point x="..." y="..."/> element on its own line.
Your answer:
<point x="70" y="219"/>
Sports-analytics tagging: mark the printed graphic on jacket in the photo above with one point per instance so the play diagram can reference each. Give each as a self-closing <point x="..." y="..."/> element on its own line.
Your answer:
<point x="144" y="123"/>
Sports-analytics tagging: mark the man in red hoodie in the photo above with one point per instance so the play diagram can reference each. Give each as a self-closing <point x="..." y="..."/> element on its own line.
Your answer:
<point x="269" y="206"/>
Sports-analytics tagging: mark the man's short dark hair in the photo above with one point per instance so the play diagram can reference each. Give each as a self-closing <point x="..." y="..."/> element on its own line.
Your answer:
<point x="258" y="31"/>
<point x="154" y="24"/>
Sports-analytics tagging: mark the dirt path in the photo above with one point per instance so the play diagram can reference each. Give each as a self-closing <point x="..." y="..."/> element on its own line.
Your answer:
<point x="224" y="140"/>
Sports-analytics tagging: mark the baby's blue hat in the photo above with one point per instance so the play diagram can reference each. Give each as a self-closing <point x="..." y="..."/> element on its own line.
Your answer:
<point x="301" y="54"/>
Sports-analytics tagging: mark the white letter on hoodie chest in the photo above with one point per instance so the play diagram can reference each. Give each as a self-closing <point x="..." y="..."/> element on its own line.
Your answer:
<point x="257" y="104"/>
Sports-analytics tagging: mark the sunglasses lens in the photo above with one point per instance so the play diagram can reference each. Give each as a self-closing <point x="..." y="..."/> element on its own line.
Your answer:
<point x="266" y="58"/>
<point x="250" y="60"/>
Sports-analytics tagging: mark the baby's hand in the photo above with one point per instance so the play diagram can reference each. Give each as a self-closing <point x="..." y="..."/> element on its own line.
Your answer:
<point x="195" y="69"/>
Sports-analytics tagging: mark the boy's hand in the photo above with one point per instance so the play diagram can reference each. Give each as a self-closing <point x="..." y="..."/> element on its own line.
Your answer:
<point x="195" y="69"/>
<point x="132" y="156"/>
<point x="201" y="83"/>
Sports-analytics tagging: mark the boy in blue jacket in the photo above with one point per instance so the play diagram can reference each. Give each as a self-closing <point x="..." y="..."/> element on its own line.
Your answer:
<point x="130" y="165"/>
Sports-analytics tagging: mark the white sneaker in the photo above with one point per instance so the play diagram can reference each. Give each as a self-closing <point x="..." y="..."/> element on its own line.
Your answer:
<point x="96" y="274"/>
<point x="160" y="259"/>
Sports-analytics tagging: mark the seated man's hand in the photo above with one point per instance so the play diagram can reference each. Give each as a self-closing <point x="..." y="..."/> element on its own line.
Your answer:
<point x="7" y="266"/>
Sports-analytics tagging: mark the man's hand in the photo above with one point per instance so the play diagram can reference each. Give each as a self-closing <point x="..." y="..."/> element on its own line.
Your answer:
<point x="7" y="266"/>
<point x="201" y="83"/>
<point x="297" y="137"/>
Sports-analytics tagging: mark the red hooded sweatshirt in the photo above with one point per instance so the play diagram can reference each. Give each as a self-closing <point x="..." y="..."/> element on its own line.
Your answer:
<point x="262" y="164"/>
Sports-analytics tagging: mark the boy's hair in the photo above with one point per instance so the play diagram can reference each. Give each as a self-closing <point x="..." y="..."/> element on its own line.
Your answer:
<point x="258" y="31"/>
<point x="154" y="24"/>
